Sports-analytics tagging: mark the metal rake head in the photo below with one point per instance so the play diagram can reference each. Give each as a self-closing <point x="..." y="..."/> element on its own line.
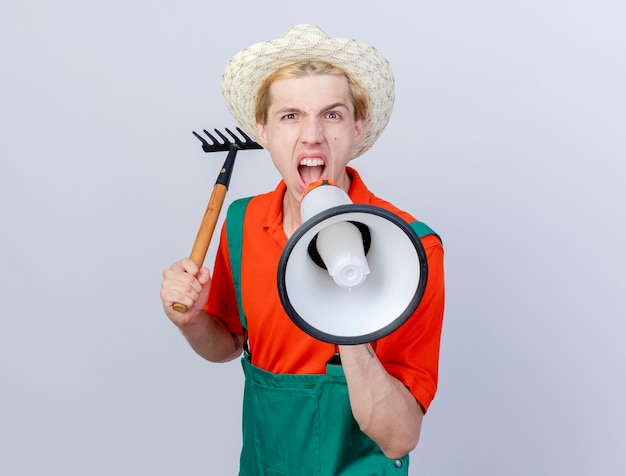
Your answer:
<point x="226" y="143"/>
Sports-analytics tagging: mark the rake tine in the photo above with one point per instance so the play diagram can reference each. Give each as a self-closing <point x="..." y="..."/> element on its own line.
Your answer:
<point x="237" y="140"/>
<point x="214" y="147"/>
<point x="225" y="140"/>
<point x="247" y="143"/>
<point x="217" y="145"/>
<point x="210" y="136"/>
<point x="205" y="145"/>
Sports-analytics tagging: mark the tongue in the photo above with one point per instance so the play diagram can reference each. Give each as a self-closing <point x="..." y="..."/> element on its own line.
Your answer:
<point x="310" y="174"/>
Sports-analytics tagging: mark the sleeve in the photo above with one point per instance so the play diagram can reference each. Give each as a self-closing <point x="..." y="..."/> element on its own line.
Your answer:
<point x="411" y="353"/>
<point x="222" y="301"/>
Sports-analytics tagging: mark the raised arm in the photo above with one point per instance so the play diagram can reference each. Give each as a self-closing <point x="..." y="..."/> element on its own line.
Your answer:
<point x="209" y="337"/>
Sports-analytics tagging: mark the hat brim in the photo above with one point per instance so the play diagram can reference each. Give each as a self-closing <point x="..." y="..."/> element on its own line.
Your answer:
<point x="248" y="69"/>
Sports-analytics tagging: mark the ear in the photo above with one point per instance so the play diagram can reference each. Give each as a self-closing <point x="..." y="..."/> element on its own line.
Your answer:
<point x="358" y="130"/>
<point x="260" y="129"/>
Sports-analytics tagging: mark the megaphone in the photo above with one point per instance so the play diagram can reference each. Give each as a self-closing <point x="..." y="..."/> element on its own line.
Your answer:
<point x="351" y="273"/>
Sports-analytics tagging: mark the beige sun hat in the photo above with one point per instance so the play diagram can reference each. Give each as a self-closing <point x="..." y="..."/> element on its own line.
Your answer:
<point x="248" y="69"/>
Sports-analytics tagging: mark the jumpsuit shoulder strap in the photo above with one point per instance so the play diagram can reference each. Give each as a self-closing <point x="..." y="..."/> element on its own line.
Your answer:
<point x="234" y="237"/>
<point x="422" y="229"/>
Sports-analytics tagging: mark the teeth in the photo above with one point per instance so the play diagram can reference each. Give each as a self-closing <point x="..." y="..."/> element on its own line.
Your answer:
<point x="312" y="162"/>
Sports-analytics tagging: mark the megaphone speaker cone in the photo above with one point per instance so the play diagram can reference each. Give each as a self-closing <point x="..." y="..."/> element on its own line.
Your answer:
<point x="382" y="285"/>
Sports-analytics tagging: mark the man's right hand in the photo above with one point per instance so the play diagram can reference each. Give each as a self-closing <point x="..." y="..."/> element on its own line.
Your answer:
<point x="184" y="283"/>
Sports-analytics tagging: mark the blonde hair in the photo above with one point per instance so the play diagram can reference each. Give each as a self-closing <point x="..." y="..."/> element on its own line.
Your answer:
<point x="358" y="93"/>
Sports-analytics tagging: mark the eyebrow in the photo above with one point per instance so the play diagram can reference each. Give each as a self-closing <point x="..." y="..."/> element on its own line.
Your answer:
<point x="335" y="105"/>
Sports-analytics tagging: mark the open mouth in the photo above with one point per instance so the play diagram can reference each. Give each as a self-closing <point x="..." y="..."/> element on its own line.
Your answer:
<point x="311" y="170"/>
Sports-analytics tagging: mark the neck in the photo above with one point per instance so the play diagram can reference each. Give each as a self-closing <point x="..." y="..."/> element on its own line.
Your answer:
<point x="292" y="218"/>
<point x="291" y="214"/>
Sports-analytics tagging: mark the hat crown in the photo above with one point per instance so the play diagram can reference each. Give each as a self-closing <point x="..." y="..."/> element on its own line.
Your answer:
<point x="305" y="30"/>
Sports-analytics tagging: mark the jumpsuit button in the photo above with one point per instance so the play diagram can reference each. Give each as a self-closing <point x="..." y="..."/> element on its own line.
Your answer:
<point x="398" y="464"/>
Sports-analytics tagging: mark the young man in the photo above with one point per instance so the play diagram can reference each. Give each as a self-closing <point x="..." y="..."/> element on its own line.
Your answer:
<point x="315" y="103"/>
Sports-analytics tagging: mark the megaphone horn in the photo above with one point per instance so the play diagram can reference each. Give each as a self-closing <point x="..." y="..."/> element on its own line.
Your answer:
<point x="351" y="273"/>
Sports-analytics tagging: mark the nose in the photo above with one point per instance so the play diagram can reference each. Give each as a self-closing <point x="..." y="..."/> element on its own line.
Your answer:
<point x="311" y="132"/>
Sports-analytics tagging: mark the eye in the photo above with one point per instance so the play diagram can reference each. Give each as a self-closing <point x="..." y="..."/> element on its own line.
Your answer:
<point x="333" y="115"/>
<point x="289" y="116"/>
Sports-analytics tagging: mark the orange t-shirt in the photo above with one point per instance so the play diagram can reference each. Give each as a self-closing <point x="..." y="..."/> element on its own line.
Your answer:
<point x="411" y="353"/>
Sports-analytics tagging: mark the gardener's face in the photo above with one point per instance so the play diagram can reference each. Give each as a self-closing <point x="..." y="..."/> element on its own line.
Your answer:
<point x="311" y="130"/>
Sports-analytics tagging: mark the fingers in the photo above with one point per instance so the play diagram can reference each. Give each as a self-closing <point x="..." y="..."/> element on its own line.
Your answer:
<point x="204" y="276"/>
<point x="185" y="284"/>
<point x="187" y="265"/>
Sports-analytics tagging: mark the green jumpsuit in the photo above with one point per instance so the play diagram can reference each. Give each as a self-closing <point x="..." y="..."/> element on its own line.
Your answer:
<point x="300" y="424"/>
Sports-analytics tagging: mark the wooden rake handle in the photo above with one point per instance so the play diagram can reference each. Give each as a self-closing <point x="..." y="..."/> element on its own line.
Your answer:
<point x="213" y="209"/>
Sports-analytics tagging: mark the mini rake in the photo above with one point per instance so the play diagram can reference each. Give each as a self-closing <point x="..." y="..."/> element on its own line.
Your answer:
<point x="214" y="207"/>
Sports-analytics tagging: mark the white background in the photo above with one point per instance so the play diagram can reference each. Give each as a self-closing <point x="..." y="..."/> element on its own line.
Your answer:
<point x="508" y="137"/>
